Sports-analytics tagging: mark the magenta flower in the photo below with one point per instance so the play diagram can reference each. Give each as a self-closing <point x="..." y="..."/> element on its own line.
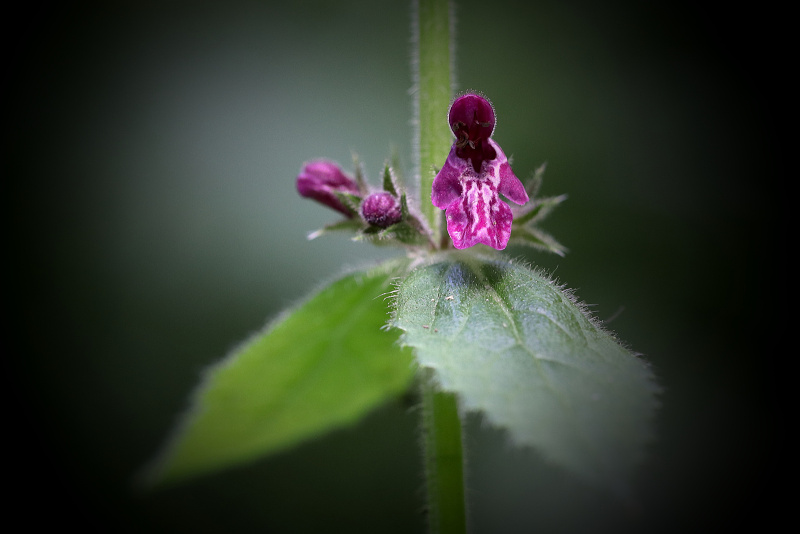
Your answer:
<point x="321" y="179"/>
<point x="475" y="172"/>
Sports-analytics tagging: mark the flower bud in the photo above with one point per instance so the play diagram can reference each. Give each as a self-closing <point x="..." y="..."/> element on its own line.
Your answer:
<point x="381" y="210"/>
<point x="321" y="179"/>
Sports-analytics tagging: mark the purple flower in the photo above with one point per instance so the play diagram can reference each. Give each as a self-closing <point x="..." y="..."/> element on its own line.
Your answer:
<point x="321" y="179"/>
<point x="475" y="172"/>
<point x="381" y="210"/>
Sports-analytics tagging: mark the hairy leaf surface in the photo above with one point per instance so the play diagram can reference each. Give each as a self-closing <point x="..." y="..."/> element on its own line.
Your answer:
<point x="322" y="365"/>
<point x="517" y="347"/>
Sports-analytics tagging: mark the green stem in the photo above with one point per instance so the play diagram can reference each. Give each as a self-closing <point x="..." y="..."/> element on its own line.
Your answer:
<point x="444" y="459"/>
<point x="434" y="92"/>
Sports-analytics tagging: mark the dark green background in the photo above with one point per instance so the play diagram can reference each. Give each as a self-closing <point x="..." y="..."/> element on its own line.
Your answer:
<point x="148" y="186"/>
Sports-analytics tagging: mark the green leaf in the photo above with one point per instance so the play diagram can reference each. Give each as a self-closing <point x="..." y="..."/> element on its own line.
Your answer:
<point x="323" y="365"/>
<point x="514" y="345"/>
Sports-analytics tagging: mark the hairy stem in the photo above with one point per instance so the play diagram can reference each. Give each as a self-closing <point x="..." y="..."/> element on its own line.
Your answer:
<point x="434" y="92"/>
<point x="444" y="460"/>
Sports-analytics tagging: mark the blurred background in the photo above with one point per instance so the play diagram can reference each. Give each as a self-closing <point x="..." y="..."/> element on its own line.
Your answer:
<point x="149" y="162"/>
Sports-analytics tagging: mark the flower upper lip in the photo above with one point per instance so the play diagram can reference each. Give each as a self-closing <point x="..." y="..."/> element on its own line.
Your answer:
<point x="472" y="121"/>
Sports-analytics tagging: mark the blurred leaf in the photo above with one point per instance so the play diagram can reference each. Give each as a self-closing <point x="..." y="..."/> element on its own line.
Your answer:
<point x="517" y="347"/>
<point x="322" y="365"/>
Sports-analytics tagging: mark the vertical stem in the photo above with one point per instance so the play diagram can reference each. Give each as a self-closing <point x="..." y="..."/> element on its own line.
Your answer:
<point x="444" y="460"/>
<point x="434" y="92"/>
<point x="441" y="425"/>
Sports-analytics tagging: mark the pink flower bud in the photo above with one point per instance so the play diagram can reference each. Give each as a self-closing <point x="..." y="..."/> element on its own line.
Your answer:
<point x="381" y="210"/>
<point x="320" y="179"/>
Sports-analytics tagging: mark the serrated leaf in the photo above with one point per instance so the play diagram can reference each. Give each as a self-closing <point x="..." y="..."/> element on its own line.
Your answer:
<point x="515" y="346"/>
<point x="323" y="365"/>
